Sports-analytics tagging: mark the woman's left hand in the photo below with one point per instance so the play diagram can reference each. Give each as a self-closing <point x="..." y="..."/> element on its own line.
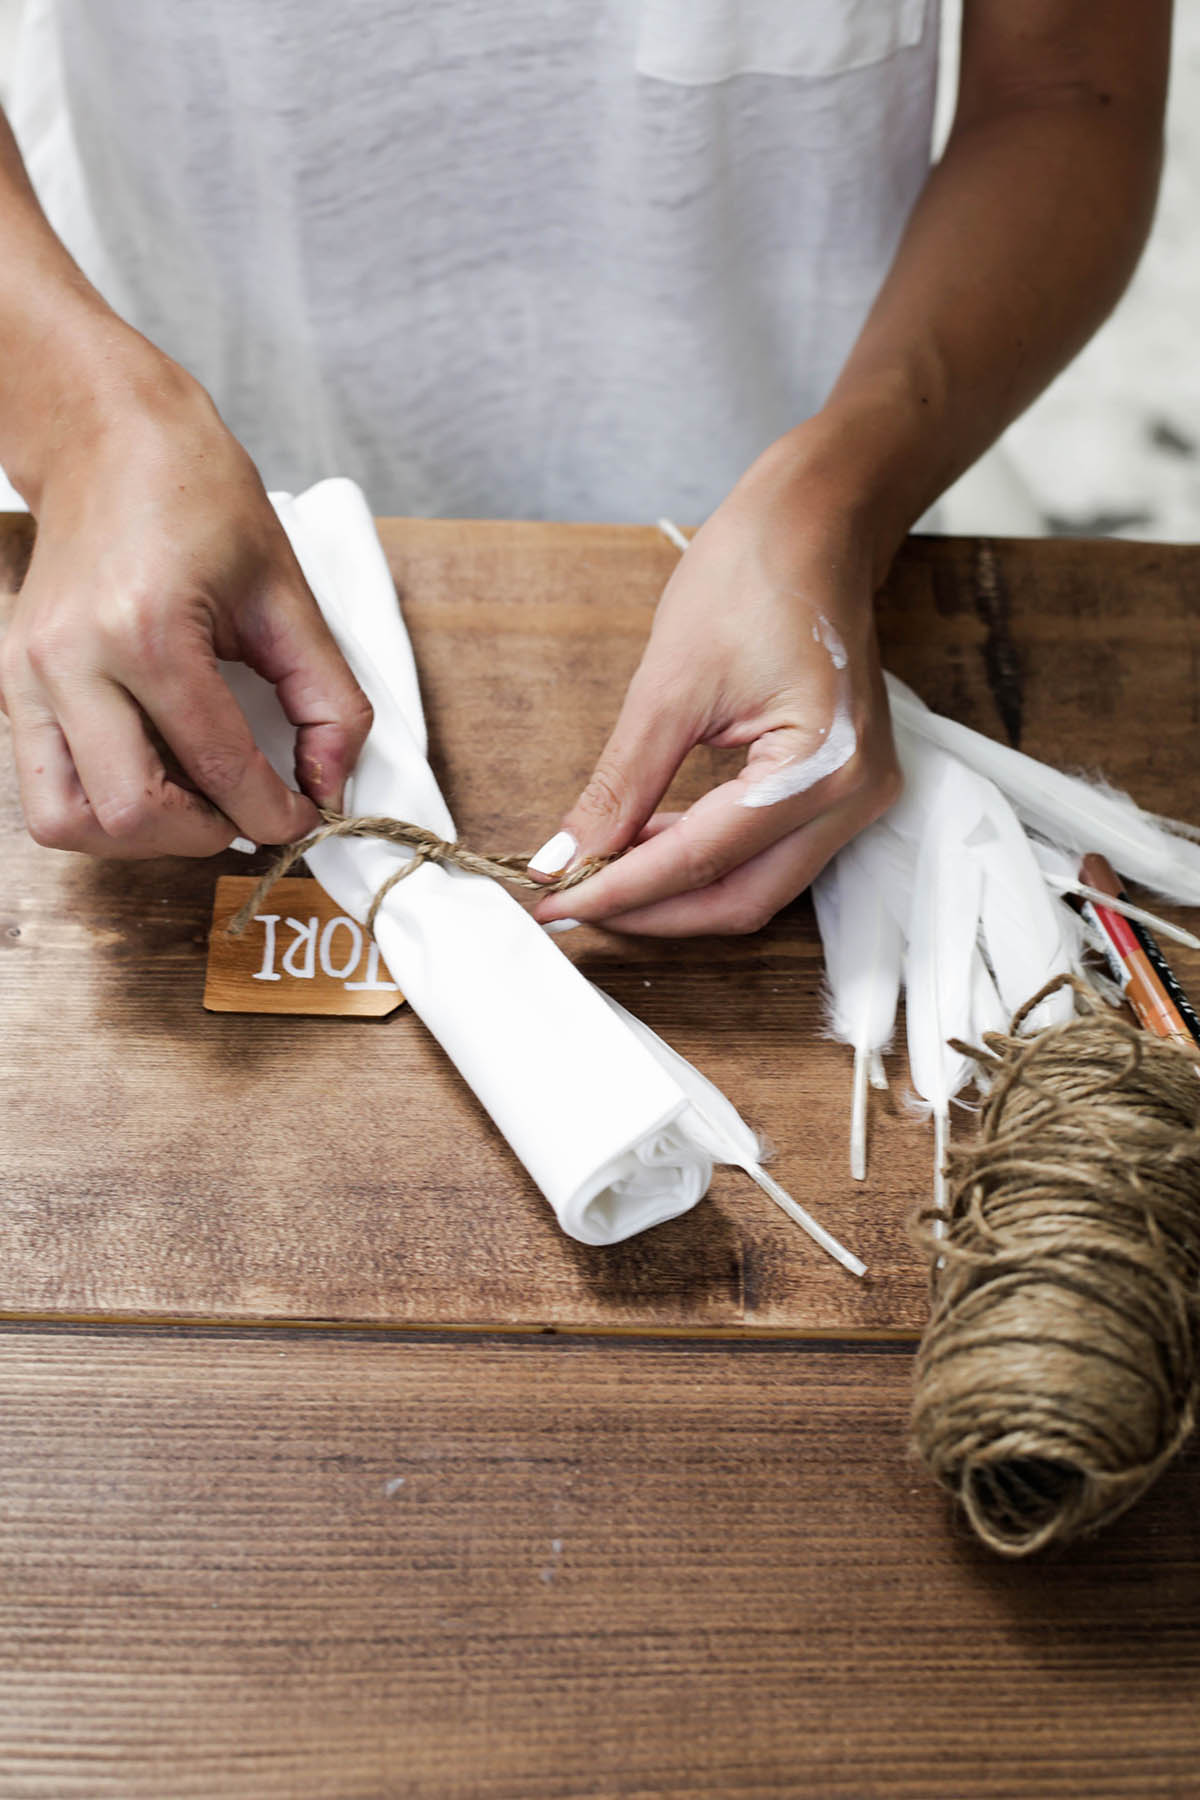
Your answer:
<point x="765" y="638"/>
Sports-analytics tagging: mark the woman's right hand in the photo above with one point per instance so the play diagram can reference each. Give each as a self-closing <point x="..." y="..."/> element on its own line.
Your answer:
<point x="157" y="554"/>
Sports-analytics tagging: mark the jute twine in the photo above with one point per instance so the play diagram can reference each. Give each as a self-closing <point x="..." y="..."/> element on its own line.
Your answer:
<point x="426" y="846"/>
<point x="1058" y="1374"/>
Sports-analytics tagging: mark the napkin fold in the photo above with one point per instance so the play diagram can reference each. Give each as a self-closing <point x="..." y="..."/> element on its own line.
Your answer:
<point x="589" y="1104"/>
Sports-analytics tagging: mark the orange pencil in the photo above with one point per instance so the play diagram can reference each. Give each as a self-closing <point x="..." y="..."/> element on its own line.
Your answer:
<point x="1138" y="966"/>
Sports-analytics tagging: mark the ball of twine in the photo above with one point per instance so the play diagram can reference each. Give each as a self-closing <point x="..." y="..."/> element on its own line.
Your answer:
<point x="1058" y="1374"/>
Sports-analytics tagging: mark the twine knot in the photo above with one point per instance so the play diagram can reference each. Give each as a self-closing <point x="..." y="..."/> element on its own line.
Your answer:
<point x="426" y="847"/>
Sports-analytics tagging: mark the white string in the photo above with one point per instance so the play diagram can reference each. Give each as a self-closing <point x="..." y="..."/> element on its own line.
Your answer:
<point x="1063" y="884"/>
<point x="805" y="1220"/>
<point x="670" y="530"/>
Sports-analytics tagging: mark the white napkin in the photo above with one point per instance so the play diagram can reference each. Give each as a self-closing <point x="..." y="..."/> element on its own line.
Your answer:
<point x="590" y="1105"/>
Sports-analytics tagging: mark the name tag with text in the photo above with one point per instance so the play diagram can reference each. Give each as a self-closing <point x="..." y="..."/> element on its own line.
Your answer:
<point x="299" y="954"/>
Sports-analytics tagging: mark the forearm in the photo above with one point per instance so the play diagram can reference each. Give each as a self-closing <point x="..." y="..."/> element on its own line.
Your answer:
<point x="1021" y="243"/>
<point x="67" y="361"/>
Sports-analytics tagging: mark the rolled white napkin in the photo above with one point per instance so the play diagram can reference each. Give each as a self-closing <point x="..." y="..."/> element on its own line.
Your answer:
<point x="593" y="1106"/>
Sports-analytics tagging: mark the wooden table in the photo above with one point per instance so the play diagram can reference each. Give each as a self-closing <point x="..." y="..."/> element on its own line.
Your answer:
<point x="331" y="1468"/>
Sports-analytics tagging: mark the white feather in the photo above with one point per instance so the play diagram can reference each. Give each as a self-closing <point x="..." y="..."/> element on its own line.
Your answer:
<point x="987" y="1013"/>
<point x="1181" y="827"/>
<point x="1064" y="808"/>
<point x="987" y="1009"/>
<point x="921" y="764"/>
<point x="924" y="766"/>
<point x="1025" y="931"/>
<point x="1027" y="937"/>
<point x="864" y="947"/>
<point x="939" y="961"/>
<point x="722" y="1132"/>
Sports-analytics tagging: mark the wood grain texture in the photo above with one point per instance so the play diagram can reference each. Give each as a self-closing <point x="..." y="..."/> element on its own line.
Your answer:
<point x="164" y="1162"/>
<point x="281" y="1564"/>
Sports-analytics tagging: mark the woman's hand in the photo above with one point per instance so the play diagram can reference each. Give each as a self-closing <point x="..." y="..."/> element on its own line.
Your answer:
<point x="1024" y="236"/>
<point x="765" y="638"/>
<point x="157" y="554"/>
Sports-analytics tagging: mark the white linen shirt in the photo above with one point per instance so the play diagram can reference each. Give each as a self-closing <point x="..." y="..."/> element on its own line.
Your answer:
<point x="532" y="258"/>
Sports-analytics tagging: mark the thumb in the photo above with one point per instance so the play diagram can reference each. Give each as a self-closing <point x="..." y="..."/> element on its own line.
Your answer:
<point x="652" y="736"/>
<point x="295" y="651"/>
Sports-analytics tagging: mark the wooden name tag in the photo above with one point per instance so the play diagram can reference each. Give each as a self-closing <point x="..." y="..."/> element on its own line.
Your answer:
<point x="298" y="955"/>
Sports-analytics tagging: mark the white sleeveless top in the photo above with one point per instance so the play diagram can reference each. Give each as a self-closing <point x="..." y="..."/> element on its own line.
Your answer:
<point x="539" y="258"/>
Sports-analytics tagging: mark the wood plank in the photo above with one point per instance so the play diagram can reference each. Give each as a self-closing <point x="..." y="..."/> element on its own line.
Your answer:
<point x="164" y="1162"/>
<point x="309" y="1564"/>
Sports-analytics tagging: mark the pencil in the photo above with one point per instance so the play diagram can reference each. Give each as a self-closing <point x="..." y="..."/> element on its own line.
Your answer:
<point x="1137" y="962"/>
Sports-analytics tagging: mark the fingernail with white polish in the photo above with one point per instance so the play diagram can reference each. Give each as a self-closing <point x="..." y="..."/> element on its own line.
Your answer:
<point x="554" y="855"/>
<point x="557" y="925"/>
<point x="244" y="845"/>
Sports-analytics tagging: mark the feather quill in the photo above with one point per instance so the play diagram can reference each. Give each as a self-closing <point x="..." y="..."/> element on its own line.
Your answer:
<point x="864" y="949"/>
<point x="725" y="1135"/>
<point x="1067" y="810"/>
<point x="1060" y="872"/>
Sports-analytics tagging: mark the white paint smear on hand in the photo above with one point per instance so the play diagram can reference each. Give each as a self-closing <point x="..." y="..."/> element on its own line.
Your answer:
<point x="799" y="773"/>
<point x="841" y="741"/>
<point x="832" y="642"/>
